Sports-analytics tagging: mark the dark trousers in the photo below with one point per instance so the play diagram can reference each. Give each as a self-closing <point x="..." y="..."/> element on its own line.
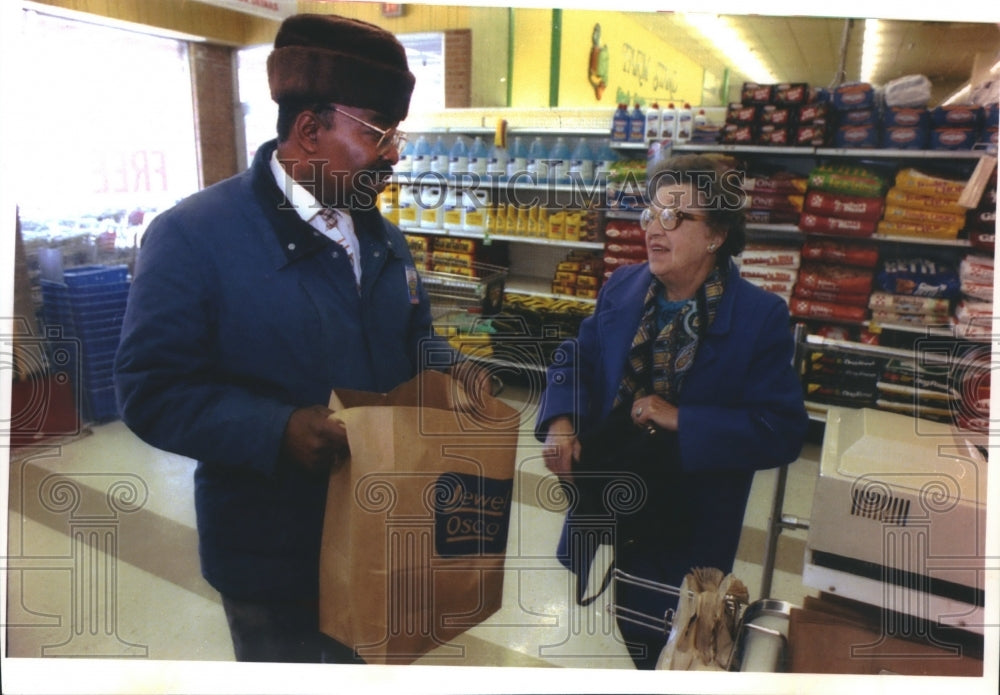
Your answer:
<point x="282" y="632"/>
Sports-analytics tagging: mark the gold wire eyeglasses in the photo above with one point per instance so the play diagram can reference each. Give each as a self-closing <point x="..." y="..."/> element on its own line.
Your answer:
<point x="391" y="138"/>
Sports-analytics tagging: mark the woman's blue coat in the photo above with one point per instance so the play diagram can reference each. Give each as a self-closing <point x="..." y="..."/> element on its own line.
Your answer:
<point x="740" y="409"/>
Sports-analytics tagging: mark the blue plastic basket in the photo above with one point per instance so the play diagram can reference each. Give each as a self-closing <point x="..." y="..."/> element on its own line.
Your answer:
<point x="95" y="275"/>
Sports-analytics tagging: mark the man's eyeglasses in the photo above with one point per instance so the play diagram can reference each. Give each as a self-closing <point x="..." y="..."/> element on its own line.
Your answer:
<point x="669" y="218"/>
<point x="391" y="138"/>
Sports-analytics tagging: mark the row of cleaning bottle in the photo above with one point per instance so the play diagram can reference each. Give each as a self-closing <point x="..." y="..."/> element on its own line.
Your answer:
<point x="671" y="125"/>
<point x="535" y="163"/>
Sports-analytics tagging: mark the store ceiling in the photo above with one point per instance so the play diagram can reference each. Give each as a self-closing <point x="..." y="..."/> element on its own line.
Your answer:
<point x="808" y="49"/>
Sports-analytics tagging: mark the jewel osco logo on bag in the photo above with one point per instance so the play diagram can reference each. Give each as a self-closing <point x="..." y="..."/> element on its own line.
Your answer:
<point x="471" y="514"/>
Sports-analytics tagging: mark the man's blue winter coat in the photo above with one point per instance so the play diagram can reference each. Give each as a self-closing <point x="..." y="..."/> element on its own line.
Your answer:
<point x="740" y="409"/>
<point x="239" y="313"/>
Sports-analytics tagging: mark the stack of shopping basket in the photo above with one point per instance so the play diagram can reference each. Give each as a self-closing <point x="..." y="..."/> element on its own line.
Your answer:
<point x="86" y="310"/>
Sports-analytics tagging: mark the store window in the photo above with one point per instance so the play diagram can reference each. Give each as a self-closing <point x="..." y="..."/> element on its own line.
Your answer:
<point x="108" y="136"/>
<point x="424" y="53"/>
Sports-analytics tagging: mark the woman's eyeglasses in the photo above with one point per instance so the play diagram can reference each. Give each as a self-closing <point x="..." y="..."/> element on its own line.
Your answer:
<point x="669" y="218"/>
<point x="391" y="138"/>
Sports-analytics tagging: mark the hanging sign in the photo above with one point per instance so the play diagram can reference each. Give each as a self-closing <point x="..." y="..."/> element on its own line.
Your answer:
<point x="269" y="9"/>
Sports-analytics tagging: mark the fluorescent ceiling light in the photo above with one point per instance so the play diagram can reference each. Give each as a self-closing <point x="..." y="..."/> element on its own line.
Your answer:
<point x="871" y="51"/>
<point x="728" y="41"/>
<point x="961" y="96"/>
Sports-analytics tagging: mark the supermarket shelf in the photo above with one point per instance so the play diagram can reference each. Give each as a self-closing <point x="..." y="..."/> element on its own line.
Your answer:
<point x="856" y="153"/>
<point x="623" y="214"/>
<point x="889" y="153"/>
<point x="794" y="231"/>
<point x="487" y="238"/>
<point x="958" y="243"/>
<point x="817" y="412"/>
<point x="629" y="146"/>
<point x="519" y="183"/>
<point x="542" y="241"/>
<point x="539" y="287"/>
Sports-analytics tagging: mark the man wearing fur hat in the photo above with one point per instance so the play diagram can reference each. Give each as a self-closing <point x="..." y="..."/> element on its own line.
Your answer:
<point x="257" y="296"/>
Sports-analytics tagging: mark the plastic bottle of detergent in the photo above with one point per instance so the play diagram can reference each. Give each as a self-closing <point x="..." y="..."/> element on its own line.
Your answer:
<point x="421" y="156"/>
<point x="453" y="215"/>
<point x="654" y="116"/>
<point x="439" y="157"/>
<point x="668" y="123"/>
<point x="685" y="125"/>
<point x="581" y="163"/>
<point x="637" y="125"/>
<point x="603" y="161"/>
<point x="478" y="158"/>
<point x="620" y="124"/>
<point x="559" y="161"/>
<point x="538" y="165"/>
<point x="700" y="119"/>
<point x="517" y="165"/>
<point x="458" y="159"/>
<point x="404" y="166"/>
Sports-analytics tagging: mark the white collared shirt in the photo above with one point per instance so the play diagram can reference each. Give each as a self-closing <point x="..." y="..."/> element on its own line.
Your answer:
<point x="308" y="208"/>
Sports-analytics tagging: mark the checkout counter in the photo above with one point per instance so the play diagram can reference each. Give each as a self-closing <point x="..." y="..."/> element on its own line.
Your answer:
<point x="896" y="546"/>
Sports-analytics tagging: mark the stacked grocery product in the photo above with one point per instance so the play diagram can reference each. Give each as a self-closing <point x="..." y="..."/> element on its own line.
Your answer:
<point x="832" y="289"/>
<point x="775" y="198"/>
<point x="924" y="206"/>
<point x="455" y="256"/>
<point x="906" y="118"/>
<point x="625" y="244"/>
<point x="420" y="249"/>
<point x="626" y="181"/>
<point x="856" y="116"/>
<point x="774" y="267"/>
<point x="839" y="378"/>
<point x="913" y="291"/>
<point x="923" y="390"/>
<point x="86" y="309"/>
<point x="788" y="114"/>
<point x="981" y="221"/>
<point x="843" y="200"/>
<point x="974" y="312"/>
<point x="579" y="274"/>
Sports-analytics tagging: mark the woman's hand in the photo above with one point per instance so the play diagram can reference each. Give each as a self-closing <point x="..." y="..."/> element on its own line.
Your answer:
<point x="653" y="410"/>
<point x="561" y="447"/>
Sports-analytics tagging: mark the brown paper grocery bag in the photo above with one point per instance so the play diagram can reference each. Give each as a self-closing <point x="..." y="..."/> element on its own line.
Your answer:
<point x="416" y="521"/>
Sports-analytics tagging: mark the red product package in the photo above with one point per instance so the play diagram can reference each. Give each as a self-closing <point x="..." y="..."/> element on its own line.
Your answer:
<point x="835" y="225"/>
<point x="862" y="255"/>
<point x="843" y="206"/>
<point x="825" y="310"/>
<point x="835" y="278"/>
<point x="773" y="135"/>
<point x="624" y="233"/>
<point x="774" y="201"/>
<point x="860" y="299"/>
<point x="778" y="183"/>
<point x="625" y="250"/>
<point x="612" y="262"/>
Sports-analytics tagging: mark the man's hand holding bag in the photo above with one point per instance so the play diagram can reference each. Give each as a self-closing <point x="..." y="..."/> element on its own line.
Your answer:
<point x="416" y="522"/>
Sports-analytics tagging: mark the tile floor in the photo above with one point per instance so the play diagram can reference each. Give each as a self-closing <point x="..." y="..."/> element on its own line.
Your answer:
<point x="102" y="561"/>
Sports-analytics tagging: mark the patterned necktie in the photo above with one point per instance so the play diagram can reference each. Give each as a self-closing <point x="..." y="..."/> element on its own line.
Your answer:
<point x="331" y="217"/>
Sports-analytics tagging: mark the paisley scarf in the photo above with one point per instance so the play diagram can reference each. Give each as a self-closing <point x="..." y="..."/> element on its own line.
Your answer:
<point x="658" y="361"/>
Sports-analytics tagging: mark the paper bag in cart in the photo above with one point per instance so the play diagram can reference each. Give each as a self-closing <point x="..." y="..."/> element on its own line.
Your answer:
<point x="416" y="521"/>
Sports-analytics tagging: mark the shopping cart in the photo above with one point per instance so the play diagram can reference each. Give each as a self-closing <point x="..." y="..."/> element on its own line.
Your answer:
<point x="475" y="290"/>
<point x="759" y="629"/>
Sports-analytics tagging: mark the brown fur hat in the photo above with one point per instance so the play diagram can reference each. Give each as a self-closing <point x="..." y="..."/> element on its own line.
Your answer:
<point x="341" y="60"/>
